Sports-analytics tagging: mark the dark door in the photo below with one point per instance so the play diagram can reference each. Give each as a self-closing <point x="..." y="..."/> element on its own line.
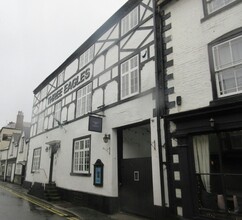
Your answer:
<point x="136" y="187"/>
<point x="135" y="177"/>
<point x="53" y="149"/>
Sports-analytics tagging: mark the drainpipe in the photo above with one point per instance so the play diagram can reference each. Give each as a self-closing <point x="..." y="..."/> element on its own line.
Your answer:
<point x="160" y="85"/>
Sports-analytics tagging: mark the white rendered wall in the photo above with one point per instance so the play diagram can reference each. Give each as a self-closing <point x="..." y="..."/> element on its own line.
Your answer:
<point x="126" y="113"/>
<point x="190" y="39"/>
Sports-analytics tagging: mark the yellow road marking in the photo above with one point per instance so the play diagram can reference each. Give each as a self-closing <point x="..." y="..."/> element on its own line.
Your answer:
<point x="40" y="204"/>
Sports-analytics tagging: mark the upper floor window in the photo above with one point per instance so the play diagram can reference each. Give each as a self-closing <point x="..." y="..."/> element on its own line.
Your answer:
<point x="84" y="99"/>
<point x="130" y="77"/>
<point x="6" y="137"/>
<point x="86" y="57"/>
<point x="36" y="159"/>
<point x="81" y="156"/>
<point x="130" y="21"/>
<point x="212" y="6"/>
<point x="227" y="61"/>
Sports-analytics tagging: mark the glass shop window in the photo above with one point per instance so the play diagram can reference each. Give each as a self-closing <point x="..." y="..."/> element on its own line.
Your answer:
<point x="218" y="170"/>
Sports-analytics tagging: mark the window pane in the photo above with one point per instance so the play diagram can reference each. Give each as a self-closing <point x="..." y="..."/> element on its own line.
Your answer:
<point x="125" y="85"/>
<point x="222" y="56"/>
<point x="238" y="73"/>
<point x="214" y="5"/>
<point x="228" y="81"/>
<point x="134" y="81"/>
<point x="125" y="67"/>
<point x="84" y="100"/>
<point x="130" y="77"/>
<point x="236" y="46"/>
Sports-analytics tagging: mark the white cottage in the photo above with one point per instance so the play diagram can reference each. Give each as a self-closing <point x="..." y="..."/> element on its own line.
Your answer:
<point x="94" y="127"/>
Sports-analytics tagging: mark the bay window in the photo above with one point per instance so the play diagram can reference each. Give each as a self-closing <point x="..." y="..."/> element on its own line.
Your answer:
<point x="218" y="171"/>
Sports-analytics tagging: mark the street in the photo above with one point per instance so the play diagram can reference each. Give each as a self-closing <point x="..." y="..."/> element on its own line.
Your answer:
<point x="18" y="206"/>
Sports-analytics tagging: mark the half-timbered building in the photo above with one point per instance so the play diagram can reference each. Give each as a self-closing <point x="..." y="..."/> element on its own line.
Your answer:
<point x="94" y="127"/>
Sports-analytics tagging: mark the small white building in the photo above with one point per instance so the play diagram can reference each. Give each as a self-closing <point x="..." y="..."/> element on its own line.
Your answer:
<point x="22" y="156"/>
<point x="98" y="110"/>
<point x="13" y="149"/>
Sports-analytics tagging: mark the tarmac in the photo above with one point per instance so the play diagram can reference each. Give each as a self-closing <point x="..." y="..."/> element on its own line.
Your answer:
<point x="70" y="209"/>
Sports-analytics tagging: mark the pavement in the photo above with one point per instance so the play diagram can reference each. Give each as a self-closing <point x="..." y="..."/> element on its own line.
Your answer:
<point x="79" y="212"/>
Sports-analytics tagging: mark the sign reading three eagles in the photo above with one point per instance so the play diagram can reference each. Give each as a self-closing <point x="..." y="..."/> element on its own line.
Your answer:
<point x="71" y="84"/>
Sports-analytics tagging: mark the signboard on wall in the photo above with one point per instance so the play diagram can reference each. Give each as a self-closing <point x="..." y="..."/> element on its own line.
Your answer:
<point x="95" y="124"/>
<point x="73" y="83"/>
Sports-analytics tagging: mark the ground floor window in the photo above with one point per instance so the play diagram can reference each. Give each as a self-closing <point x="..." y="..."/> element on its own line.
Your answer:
<point x="36" y="159"/>
<point x="218" y="170"/>
<point x="81" y="155"/>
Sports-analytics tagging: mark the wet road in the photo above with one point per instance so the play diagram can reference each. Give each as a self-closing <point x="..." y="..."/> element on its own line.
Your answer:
<point x="13" y="207"/>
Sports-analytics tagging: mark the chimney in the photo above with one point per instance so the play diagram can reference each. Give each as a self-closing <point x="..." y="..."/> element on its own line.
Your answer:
<point x="20" y="120"/>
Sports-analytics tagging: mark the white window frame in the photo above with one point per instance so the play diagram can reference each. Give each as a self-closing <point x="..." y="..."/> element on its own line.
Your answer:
<point x="86" y="57"/>
<point x="215" y="5"/>
<point x="84" y="100"/>
<point x="36" y="159"/>
<point x="81" y="155"/>
<point x="130" y="77"/>
<point x="130" y="21"/>
<point x="232" y="67"/>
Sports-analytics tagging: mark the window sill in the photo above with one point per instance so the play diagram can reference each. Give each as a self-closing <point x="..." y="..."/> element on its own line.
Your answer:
<point x="80" y="174"/>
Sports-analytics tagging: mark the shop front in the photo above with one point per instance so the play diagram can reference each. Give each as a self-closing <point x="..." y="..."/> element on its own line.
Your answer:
<point x="208" y="143"/>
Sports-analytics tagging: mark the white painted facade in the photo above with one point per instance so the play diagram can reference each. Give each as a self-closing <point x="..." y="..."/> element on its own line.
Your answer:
<point x="99" y="64"/>
<point x="196" y="28"/>
<point x="191" y="33"/>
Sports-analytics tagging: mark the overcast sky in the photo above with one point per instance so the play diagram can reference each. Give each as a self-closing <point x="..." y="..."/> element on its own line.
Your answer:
<point x="36" y="37"/>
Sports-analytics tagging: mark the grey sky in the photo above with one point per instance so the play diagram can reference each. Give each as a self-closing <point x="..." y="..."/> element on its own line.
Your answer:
<point x="35" y="38"/>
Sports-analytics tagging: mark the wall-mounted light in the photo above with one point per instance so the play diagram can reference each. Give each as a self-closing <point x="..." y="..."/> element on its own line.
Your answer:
<point x="179" y="100"/>
<point x="212" y="122"/>
<point x="106" y="138"/>
<point x="46" y="149"/>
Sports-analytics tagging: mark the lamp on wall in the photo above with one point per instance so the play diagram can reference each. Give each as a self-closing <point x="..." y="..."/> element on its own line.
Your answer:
<point x="106" y="138"/>
<point x="212" y="122"/>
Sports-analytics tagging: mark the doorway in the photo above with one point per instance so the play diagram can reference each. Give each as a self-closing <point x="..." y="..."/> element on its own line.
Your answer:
<point x="54" y="146"/>
<point x="135" y="172"/>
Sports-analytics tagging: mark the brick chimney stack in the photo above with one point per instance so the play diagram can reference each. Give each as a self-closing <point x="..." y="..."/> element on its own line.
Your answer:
<point x="20" y="120"/>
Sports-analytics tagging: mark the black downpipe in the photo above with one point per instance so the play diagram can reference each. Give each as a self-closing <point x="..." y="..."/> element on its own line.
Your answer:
<point x="160" y="87"/>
